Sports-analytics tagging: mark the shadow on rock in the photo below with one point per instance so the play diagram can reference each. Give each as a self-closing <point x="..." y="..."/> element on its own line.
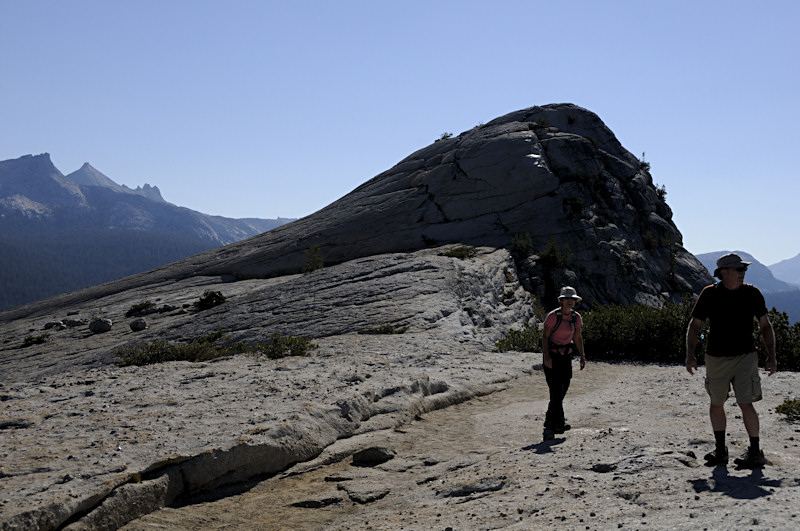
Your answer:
<point x="544" y="447"/>
<point x="739" y="487"/>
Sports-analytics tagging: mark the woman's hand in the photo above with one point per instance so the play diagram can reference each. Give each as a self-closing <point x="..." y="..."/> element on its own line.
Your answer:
<point x="547" y="361"/>
<point x="583" y="361"/>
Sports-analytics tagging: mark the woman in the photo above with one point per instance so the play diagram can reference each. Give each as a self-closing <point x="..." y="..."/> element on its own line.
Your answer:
<point x="560" y="339"/>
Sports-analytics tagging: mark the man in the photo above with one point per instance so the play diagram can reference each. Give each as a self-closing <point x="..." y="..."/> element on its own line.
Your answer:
<point x="731" y="360"/>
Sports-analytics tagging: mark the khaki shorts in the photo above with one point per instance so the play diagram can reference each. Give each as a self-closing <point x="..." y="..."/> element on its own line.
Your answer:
<point x="739" y="372"/>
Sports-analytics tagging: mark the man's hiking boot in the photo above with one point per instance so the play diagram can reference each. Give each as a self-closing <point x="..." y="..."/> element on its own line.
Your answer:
<point x="751" y="459"/>
<point x="548" y="434"/>
<point x="562" y="429"/>
<point x="717" y="457"/>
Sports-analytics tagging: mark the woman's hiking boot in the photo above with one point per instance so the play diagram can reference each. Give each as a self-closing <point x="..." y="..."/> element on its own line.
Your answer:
<point x="717" y="457"/>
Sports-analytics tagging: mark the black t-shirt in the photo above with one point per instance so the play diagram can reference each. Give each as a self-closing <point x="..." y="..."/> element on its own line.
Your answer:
<point x="730" y="314"/>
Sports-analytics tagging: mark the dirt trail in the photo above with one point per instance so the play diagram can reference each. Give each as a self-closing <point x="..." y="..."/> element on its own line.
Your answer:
<point x="630" y="461"/>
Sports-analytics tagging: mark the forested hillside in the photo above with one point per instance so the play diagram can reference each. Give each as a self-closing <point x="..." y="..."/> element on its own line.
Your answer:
<point x="62" y="233"/>
<point x="38" y="263"/>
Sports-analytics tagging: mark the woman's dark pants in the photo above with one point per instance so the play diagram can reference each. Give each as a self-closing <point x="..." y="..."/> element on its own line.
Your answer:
<point x="558" y="378"/>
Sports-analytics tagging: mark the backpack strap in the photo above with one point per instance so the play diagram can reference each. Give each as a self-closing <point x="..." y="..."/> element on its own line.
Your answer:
<point x="560" y="317"/>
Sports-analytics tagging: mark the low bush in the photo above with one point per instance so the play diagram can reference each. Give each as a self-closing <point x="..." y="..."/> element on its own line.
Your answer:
<point x="555" y="257"/>
<point x="212" y="346"/>
<point x="197" y="350"/>
<point x="314" y="260"/>
<point x="388" y="329"/>
<point x="463" y="251"/>
<point x="34" y="340"/>
<point x="787" y="341"/>
<point x="280" y="346"/>
<point x="527" y="339"/>
<point x="209" y="299"/>
<point x="139" y="309"/>
<point x="522" y="246"/>
<point x="790" y="408"/>
<point x="640" y="333"/>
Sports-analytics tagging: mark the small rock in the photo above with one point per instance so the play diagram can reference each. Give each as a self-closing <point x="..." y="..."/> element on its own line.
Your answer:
<point x="137" y="325"/>
<point x="99" y="326"/>
<point x="602" y="468"/>
<point x="373" y="456"/>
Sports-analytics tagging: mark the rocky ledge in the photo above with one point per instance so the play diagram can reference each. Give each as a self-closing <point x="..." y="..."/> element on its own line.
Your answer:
<point x="87" y="444"/>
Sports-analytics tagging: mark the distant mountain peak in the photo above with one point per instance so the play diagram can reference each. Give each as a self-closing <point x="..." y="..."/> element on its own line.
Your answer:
<point x="788" y="270"/>
<point x="757" y="273"/>
<point x="52" y="226"/>
<point x="35" y="178"/>
<point x="151" y="192"/>
<point x="87" y="175"/>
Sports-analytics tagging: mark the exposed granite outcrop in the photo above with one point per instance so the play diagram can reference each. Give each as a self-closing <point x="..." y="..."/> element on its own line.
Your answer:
<point x="92" y="445"/>
<point x="550" y="183"/>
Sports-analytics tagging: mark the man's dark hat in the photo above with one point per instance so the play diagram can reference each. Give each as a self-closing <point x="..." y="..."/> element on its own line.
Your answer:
<point x="729" y="260"/>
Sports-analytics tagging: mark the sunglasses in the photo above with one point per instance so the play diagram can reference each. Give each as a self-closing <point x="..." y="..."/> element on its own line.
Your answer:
<point x="740" y="269"/>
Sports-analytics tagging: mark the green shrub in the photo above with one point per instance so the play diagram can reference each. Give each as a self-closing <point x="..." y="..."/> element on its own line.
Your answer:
<point x="313" y="260"/>
<point x="209" y="299"/>
<point x="463" y="251"/>
<point x="528" y="339"/>
<point x="553" y="256"/>
<point x="787" y="341"/>
<point x="522" y="246"/>
<point x="790" y="408"/>
<point x="388" y="330"/>
<point x="640" y="333"/>
<point x="281" y="346"/>
<point x="539" y="310"/>
<point x="212" y="346"/>
<point x="34" y="340"/>
<point x="139" y="308"/>
<point x="197" y="350"/>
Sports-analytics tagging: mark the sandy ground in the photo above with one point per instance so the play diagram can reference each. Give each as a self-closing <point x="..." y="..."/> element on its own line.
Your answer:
<point x="633" y="460"/>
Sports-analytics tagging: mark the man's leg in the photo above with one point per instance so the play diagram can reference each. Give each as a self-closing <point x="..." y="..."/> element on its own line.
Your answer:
<point x="718" y="387"/>
<point x="718" y="420"/>
<point x="718" y="423"/>
<point x="753" y="457"/>
<point x="750" y="418"/>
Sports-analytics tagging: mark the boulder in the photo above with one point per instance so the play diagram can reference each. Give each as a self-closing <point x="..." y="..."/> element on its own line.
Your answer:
<point x="99" y="326"/>
<point x="373" y="456"/>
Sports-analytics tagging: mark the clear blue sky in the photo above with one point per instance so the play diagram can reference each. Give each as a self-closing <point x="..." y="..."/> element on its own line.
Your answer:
<point x="259" y="108"/>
